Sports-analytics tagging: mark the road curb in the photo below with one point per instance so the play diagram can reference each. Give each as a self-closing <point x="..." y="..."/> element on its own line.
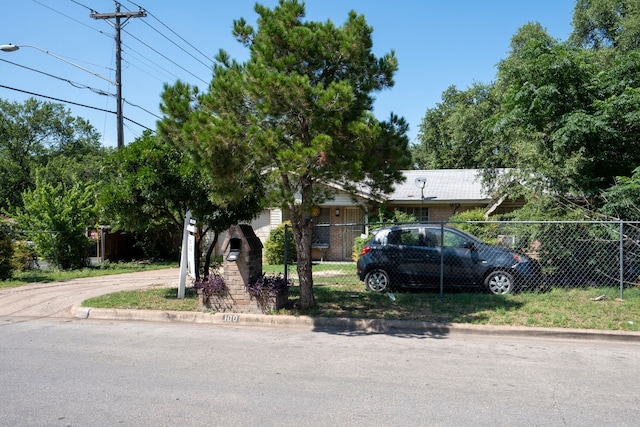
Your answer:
<point x="345" y="325"/>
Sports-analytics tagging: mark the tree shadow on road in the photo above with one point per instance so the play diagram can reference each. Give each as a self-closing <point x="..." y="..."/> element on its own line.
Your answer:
<point x="425" y="314"/>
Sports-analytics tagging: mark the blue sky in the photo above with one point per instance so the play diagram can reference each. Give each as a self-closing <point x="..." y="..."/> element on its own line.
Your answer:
<point x="438" y="44"/>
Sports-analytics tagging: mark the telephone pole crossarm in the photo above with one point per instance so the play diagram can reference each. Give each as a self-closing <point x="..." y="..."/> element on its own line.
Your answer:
<point x="118" y="16"/>
<point x="138" y="14"/>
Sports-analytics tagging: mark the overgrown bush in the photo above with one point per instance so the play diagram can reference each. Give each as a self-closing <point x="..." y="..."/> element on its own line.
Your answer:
<point x="384" y="218"/>
<point x="485" y="231"/>
<point x="24" y="255"/>
<point x="359" y="244"/>
<point x="57" y="217"/>
<point x="274" y="246"/>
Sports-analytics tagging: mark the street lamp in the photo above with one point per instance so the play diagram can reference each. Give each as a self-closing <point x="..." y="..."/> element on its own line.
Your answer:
<point x="13" y="47"/>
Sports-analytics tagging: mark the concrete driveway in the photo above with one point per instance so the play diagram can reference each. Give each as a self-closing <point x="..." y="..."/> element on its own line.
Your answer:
<point x="56" y="299"/>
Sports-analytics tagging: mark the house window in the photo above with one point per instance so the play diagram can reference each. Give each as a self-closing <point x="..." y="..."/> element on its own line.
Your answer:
<point x="421" y="213"/>
<point x="321" y="235"/>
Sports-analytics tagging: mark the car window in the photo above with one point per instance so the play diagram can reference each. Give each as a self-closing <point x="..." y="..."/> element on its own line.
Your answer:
<point x="454" y="240"/>
<point x="430" y="239"/>
<point x="406" y="237"/>
<point x="451" y="238"/>
<point x="379" y="238"/>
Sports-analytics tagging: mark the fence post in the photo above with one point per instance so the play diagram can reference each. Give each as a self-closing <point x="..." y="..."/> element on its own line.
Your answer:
<point x="286" y="253"/>
<point x="441" y="261"/>
<point x="53" y="248"/>
<point x="621" y="259"/>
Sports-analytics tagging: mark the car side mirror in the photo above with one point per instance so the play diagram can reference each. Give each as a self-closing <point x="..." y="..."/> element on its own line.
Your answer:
<point x="469" y="245"/>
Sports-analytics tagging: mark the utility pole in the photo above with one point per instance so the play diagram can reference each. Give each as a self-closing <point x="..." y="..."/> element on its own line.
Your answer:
<point x="118" y="16"/>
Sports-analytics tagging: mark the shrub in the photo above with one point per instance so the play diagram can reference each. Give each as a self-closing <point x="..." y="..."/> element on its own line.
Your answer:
<point x="359" y="244"/>
<point x="385" y="217"/>
<point x="62" y="215"/>
<point x="274" y="246"/>
<point x="485" y="231"/>
<point x="24" y="255"/>
<point x="214" y="284"/>
<point x="264" y="287"/>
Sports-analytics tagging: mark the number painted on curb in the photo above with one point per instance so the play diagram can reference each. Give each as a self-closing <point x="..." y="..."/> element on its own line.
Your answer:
<point x="230" y="318"/>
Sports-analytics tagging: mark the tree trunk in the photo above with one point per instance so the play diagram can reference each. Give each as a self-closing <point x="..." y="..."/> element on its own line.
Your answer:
<point x="207" y="260"/>
<point x="302" y="225"/>
<point x="304" y="267"/>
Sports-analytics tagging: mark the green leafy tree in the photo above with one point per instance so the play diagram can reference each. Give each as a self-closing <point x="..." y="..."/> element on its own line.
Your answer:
<point x="451" y="135"/>
<point x="548" y="116"/>
<point x="622" y="200"/>
<point x="562" y="116"/>
<point x="153" y="184"/>
<point x="297" y="114"/>
<point x="34" y="135"/>
<point x="569" y="115"/>
<point x="56" y="217"/>
<point x="473" y="221"/>
<point x="601" y="24"/>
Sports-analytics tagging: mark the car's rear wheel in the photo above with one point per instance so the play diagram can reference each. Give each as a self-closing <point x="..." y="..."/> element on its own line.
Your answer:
<point x="377" y="281"/>
<point x="499" y="282"/>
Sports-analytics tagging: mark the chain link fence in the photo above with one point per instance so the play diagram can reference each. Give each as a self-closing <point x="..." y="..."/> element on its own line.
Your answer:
<point x="536" y="256"/>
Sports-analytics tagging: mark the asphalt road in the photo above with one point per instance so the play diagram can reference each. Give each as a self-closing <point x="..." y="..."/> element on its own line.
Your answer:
<point x="73" y="372"/>
<point x="58" y="368"/>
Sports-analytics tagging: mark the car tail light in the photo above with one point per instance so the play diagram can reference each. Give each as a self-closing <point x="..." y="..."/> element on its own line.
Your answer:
<point x="365" y="250"/>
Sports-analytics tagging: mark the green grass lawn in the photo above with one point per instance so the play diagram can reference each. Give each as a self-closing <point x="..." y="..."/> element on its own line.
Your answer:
<point x="575" y="308"/>
<point x="337" y="294"/>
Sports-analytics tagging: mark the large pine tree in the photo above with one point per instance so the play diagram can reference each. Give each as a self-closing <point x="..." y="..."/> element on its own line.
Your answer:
<point x="298" y="113"/>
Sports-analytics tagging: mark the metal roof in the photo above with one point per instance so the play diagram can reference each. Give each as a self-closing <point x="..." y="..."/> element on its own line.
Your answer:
<point x="440" y="185"/>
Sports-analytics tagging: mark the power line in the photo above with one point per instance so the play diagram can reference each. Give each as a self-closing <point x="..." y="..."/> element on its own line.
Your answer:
<point x="143" y="109"/>
<point x="162" y="73"/>
<point x="56" y="99"/>
<point x="174" y="43"/>
<point x="145" y="44"/>
<point x="71" y="18"/>
<point x="140" y="41"/>
<point x="72" y="83"/>
<point x="177" y="35"/>
<point x="149" y="60"/>
<point x="72" y="103"/>
<point x="81" y="86"/>
<point x="165" y="57"/>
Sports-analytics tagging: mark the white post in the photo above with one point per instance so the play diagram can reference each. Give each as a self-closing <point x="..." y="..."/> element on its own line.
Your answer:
<point x="184" y="256"/>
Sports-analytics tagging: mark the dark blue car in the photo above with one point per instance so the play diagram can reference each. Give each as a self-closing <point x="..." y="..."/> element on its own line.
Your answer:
<point x="425" y="254"/>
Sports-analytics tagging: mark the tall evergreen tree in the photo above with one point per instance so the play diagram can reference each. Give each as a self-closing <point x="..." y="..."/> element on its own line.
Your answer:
<point x="297" y="114"/>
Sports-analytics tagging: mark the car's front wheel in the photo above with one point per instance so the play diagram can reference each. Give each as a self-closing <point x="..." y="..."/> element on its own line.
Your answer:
<point x="377" y="281"/>
<point x="499" y="282"/>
